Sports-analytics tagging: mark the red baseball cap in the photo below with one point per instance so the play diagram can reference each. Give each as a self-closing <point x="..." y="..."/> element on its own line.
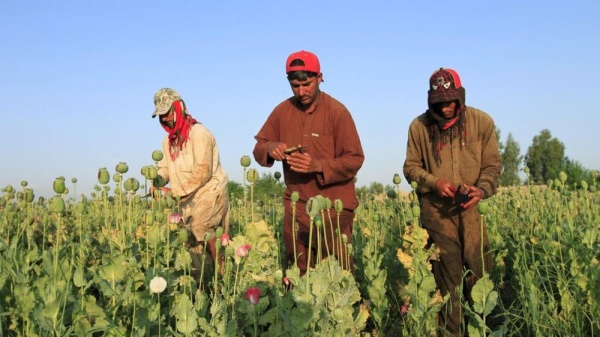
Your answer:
<point x="311" y="62"/>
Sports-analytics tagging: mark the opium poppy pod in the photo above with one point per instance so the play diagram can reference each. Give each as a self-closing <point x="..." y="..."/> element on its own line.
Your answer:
<point x="338" y="205"/>
<point x="122" y="168"/>
<point x="397" y="180"/>
<point x="59" y="186"/>
<point x="157" y="155"/>
<point x="277" y="175"/>
<point x="252" y="175"/>
<point x="29" y="196"/>
<point x="58" y="205"/>
<point x="159" y="181"/>
<point x="103" y="176"/>
<point x="151" y="173"/>
<point x="295" y="196"/>
<point x="245" y="161"/>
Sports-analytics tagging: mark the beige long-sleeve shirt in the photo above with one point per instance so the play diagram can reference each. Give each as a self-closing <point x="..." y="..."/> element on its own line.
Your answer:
<point x="197" y="167"/>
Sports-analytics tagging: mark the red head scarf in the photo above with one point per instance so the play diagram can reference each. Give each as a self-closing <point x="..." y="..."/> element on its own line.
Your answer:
<point x="179" y="134"/>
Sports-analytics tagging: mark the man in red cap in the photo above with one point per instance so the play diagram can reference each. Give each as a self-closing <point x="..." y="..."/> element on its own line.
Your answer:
<point x="329" y="158"/>
<point x="452" y="155"/>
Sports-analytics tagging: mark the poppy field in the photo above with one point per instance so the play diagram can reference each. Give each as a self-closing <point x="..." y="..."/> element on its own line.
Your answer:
<point x="116" y="263"/>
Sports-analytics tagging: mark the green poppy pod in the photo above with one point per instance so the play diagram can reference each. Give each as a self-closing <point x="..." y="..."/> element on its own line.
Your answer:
<point x="151" y="173"/>
<point x="122" y="168"/>
<point x="20" y="195"/>
<point x="149" y="217"/>
<point x="550" y="182"/>
<point x="252" y="175"/>
<point x="182" y="236"/>
<point x="414" y="185"/>
<point x="312" y="207"/>
<point x="594" y="174"/>
<point x="526" y="170"/>
<point x="318" y="221"/>
<point x="129" y="183"/>
<point x="483" y="207"/>
<point x="376" y="217"/>
<point x="562" y="176"/>
<point x="9" y="189"/>
<point x="117" y="177"/>
<point x="278" y="275"/>
<point x="584" y="185"/>
<point x="159" y="181"/>
<point x="29" y="196"/>
<point x="416" y="211"/>
<point x="59" y="186"/>
<point x="397" y="180"/>
<point x="80" y="208"/>
<point x="170" y="201"/>
<point x="57" y="205"/>
<point x="338" y="205"/>
<point x="245" y="161"/>
<point x="74" y="180"/>
<point x="277" y="175"/>
<point x="344" y="239"/>
<point x="295" y="196"/>
<point x="103" y="176"/>
<point x="391" y="194"/>
<point x="159" y="216"/>
<point x="157" y="155"/>
<point x="339" y="314"/>
<point x="219" y="232"/>
<point x="24" y="183"/>
<point x="349" y="248"/>
<point x="557" y="183"/>
<point x="328" y="203"/>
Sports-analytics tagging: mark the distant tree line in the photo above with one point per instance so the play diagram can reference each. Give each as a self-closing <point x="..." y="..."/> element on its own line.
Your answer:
<point x="544" y="160"/>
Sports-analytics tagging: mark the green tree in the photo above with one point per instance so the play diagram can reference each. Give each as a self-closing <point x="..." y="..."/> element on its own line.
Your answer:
<point x="576" y="173"/>
<point x="544" y="157"/>
<point x="235" y="189"/>
<point x="511" y="160"/>
<point x="376" y="188"/>
<point x="268" y="186"/>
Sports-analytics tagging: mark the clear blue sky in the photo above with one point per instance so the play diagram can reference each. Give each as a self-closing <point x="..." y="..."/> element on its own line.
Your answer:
<point x="78" y="77"/>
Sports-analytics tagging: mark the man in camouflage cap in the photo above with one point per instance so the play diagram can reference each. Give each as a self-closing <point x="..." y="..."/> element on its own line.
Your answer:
<point x="453" y="156"/>
<point x="192" y="167"/>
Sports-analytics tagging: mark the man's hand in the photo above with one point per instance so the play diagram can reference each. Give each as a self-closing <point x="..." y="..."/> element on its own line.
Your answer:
<point x="475" y="194"/>
<point x="275" y="150"/>
<point x="303" y="163"/>
<point x="444" y="188"/>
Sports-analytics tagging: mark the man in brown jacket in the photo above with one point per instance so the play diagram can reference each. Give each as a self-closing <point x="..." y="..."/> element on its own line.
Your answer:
<point x="330" y="155"/>
<point x="453" y="155"/>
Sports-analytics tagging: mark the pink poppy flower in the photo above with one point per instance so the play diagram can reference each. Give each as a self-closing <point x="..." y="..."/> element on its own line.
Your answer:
<point x="242" y="251"/>
<point x="224" y="240"/>
<point x="174" y="218"/>
<point x="252" y="295"/>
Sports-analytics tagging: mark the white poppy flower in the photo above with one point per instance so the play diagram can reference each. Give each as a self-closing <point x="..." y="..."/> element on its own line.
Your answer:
<point x="158" y="285"/>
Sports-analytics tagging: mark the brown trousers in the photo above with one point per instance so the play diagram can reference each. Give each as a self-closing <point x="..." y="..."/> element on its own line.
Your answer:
<point x="331" y="243"/>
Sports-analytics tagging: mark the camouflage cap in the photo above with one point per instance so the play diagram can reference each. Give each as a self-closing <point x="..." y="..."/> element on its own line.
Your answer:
<point x="163" y="100"/>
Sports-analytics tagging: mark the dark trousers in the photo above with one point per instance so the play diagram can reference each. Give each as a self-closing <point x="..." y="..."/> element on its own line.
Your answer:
<point x="456" y="257"/>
